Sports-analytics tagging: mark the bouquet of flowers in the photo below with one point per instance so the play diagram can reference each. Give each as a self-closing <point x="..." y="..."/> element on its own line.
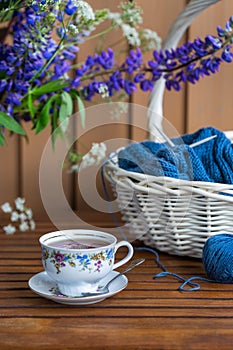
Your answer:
<point x="40" y="77"/>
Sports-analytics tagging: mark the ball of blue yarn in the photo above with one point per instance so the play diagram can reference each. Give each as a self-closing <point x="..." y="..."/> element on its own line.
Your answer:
<point x="217" y="258"/>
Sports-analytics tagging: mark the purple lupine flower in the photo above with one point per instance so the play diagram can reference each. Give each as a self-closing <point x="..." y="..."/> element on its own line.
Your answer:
<point x="22" y="62"/>
<point x="146" y="85"/>
<point x="139" y="77"/>
<point x="70" y="8"/>
<point x="215" y="42"/>
<point x="62" y="68"/>
<point x="13" y="98"/>
<point x="3" y="85"/>
<point x="106" y="59"/>
<point x="133" y="61"/>
<point x="227" y="55"/>
<point x="130" y="87"/>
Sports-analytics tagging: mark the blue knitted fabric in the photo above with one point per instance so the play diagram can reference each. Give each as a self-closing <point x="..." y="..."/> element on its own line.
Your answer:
<point x="216" y="155"/>
<point x="211" y="161"/>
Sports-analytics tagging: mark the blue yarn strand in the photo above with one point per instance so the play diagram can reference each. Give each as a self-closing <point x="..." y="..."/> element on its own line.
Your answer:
<point x="197" y="286"/>
<point x="193" y="286"/>
<point x="159" y="264"/>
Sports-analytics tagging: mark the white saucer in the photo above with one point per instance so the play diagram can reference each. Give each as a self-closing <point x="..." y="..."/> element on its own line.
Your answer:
<point x="42" y="285"/>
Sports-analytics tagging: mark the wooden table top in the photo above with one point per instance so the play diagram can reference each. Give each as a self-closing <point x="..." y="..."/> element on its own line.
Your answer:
<point x="147" y="314"/>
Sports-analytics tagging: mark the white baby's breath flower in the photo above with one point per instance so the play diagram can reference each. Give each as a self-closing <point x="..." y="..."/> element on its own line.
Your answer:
<point x="74" y="168"/>
<point x="153" y="40"/>
<point x="20" y="214"/>
<point x="32" y="224"/>
<point x="116" y="18"/>
<point x="131" y="14"/>
<point x="19" y="203"/>
<point x="103" y="90"/>
<point x="22" y="217"/>
<point x="28" y="212"/>
<point x="131" y="34"/>
<point x="119" y="109"/>
<point x="94" y="156"/>
<point x="87" y="161"/>
<point x="73" y="29"/>
<point x="85" y="10"/>
<point x="9" y="229"/>
<point x="6" y="208"/>
<point x="14" y="216"/>
<point x="24" y="226"/>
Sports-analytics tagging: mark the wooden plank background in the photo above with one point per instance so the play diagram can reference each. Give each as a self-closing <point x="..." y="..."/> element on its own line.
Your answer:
<point x="207" y="103"/>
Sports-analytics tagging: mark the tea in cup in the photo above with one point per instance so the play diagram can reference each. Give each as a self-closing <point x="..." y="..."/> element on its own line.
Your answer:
<point x="78" y="259"/>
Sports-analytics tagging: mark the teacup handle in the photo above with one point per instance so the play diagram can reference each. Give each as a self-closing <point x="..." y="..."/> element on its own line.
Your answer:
<point x="127" y="257"/>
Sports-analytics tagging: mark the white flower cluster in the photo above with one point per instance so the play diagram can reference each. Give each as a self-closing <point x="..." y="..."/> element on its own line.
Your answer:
<point x="130" y="13"/>
<point x="85" y="10"/>
<point x="21" y="216"/>
<point x="116" y="18"/>
<point x="72" y="29"/>
<point x="128" y="20"/>
<point x="153" y="41"/>
<point x="131" y="35"/>
<point x="96" y="154"/>
<point x="103" y="90"/>
<point x="119" y="109"/>
<point x="45" y="6"/>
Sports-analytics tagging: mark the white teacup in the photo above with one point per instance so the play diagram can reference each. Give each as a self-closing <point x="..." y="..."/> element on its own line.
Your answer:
<point x="78" y="259"/>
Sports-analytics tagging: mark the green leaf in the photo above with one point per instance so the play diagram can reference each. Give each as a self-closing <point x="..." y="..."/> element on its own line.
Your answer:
<point x="52" y="86"/>
<point x="66" y="109"/>
<point x="2" y="138"/>
<point x="67" y="99"/>
<point x="56" y="130"/>
<point x="81" y="109"/>
<point x="30" y="106"/>
<point x="11" y="124"/>
<point x="44" y="117"/>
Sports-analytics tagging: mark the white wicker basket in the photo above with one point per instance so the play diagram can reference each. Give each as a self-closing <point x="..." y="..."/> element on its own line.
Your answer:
<point x="177" y="216"/>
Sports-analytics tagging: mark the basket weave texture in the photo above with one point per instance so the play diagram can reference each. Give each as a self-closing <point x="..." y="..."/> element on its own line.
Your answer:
<point x="172" y="215"/>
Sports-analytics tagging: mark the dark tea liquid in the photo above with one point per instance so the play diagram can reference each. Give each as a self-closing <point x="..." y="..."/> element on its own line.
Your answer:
<point x="79" y="243"/>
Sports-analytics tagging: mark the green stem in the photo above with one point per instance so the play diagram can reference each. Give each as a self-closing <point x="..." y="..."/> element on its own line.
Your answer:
<point x="11" y="8"/>
<point x="118" y="42"/>
<point x="59" y="47"/>
<point x="100" y="34"/>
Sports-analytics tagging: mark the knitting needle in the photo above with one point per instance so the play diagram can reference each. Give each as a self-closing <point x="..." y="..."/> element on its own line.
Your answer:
<point x="169" y="141"/>
<point x="202" y="141"/>
<point x="165" y="137"/>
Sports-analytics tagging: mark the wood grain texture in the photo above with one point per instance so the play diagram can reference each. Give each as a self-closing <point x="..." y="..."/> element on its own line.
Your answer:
<point x="9" y="172"/>
<point x="147" y="314"/>
<point x="210" y="102"/>
<point x="101" y="126"/>
<point x="158" y="18"/>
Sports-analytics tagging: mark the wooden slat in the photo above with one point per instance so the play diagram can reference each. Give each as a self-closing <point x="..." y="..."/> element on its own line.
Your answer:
<point x="9" y="173"/>
<point x="100" y="127"/>
<point x="147" y="314"/>
<point x="210" y="101"/>
<point x="159" y="19"/>
<point x="31" y="156"/>
<point x="140" y="335"/>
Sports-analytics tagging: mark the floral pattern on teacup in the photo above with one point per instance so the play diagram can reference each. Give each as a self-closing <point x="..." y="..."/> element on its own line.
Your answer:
<point x="60" y="260"/>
